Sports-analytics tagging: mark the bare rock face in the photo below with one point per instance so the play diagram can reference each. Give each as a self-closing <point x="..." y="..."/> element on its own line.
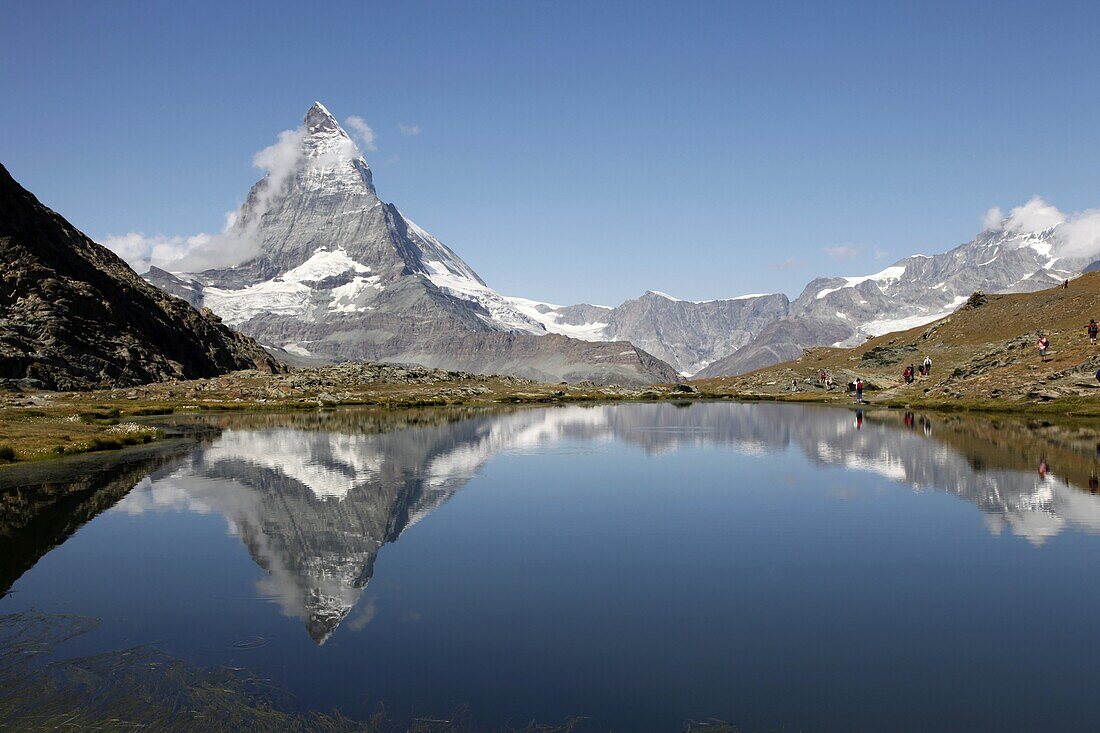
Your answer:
<point x="75" y="316"/>
<point x="780" y="341"/>
<point x="689" y="335"/>
<point x="335" y="274"/>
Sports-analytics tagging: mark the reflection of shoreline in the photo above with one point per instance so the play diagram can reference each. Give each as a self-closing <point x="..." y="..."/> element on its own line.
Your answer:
<point x="313" y="496"/>
<point x="314" y="505"/>
<point x="43" y="505"/>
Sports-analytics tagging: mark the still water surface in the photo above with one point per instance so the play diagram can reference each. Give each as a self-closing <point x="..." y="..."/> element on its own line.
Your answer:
<point x="777" y="566"/>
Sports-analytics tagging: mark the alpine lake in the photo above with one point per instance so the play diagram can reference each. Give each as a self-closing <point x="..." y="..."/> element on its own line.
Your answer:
<point x="626" y="567"/>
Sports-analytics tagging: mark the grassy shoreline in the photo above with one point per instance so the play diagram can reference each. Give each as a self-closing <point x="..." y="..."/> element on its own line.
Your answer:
<point x="46" y="426"/>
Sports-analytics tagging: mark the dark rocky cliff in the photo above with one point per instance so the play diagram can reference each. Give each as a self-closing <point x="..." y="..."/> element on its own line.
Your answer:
<point x="75" y="316"/>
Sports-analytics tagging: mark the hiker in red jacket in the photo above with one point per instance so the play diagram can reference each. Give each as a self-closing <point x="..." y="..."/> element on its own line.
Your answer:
<point x="1092" y="329"/>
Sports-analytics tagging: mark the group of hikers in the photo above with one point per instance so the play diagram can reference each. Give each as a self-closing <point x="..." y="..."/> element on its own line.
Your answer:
<point x="1092" y="329"/>
<point x="823" y="380"/>
<point x="910" y="373"/>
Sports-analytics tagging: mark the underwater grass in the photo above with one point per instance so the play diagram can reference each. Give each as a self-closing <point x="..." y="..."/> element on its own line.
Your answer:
<point x="144" y="688"/>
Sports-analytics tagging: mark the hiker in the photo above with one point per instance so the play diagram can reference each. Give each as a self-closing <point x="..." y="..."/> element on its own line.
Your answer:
<point x="1042" y="344"/>
<point x="821" y="377"/>
<point x="1093" y="328"/>
<point x="905" y="374"/>
<point x="927" y="365"/>
<point x="794" y="384"/>
<point x="859" y="391"/>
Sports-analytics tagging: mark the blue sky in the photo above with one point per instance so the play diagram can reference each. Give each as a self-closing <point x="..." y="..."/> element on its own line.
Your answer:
<point x="576" y="151"/>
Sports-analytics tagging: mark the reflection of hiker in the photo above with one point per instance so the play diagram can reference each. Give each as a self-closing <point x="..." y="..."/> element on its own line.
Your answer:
<point x="1043" y="468"/>
<point x="1042" y="344"/>
<point x="859" y="392"/>
<point x="927" y="365"/>
<point x="1093" y="329"/>
<point x="859" y="419"/>
<point x="908" y="420"/>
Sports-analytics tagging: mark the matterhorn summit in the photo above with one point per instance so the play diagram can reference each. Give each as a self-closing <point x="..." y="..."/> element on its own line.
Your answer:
<point x="333" y="273"/>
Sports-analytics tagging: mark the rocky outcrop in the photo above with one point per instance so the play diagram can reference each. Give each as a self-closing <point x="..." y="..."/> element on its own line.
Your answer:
<point x="75" y="316"/>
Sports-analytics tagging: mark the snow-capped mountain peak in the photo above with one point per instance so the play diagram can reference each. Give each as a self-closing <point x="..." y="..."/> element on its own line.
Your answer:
<point x="334" y="273"/>
<point x="318" y="118"/>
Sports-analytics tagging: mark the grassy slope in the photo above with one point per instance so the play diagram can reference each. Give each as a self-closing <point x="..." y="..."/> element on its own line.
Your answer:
<point x="983" y="358"/>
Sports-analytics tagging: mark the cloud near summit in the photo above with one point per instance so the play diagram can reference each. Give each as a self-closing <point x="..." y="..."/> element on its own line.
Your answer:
<point x="362" y="132"/>
<point x="1078" y="233"/>
<point x="237" y="241"/>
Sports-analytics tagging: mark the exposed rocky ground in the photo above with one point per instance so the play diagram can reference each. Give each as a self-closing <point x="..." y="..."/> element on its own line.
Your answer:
<point x="984" y="355"/>
<point x="75" y="316"/>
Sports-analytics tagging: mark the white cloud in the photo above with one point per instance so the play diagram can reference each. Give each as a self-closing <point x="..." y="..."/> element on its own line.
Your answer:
<point x="1034" y="216"/>
<point x="361" y="130"/>
<point x="410" y="130"/>
<point x="185" y="254"/>
<point x="237" y="241"/>
<point x="992" y="219"/>
<point x="279" y="160"/>
<point x="844" y="252"/>
<point x="1079" y="236"/>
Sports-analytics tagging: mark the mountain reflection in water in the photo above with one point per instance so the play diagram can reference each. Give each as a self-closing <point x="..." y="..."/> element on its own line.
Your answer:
<point x="313" y="498"/>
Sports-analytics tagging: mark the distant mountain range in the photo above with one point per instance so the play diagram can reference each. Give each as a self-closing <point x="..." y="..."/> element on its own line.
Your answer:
<point x="338" y="274"/>
<point x="326" y="271"/>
